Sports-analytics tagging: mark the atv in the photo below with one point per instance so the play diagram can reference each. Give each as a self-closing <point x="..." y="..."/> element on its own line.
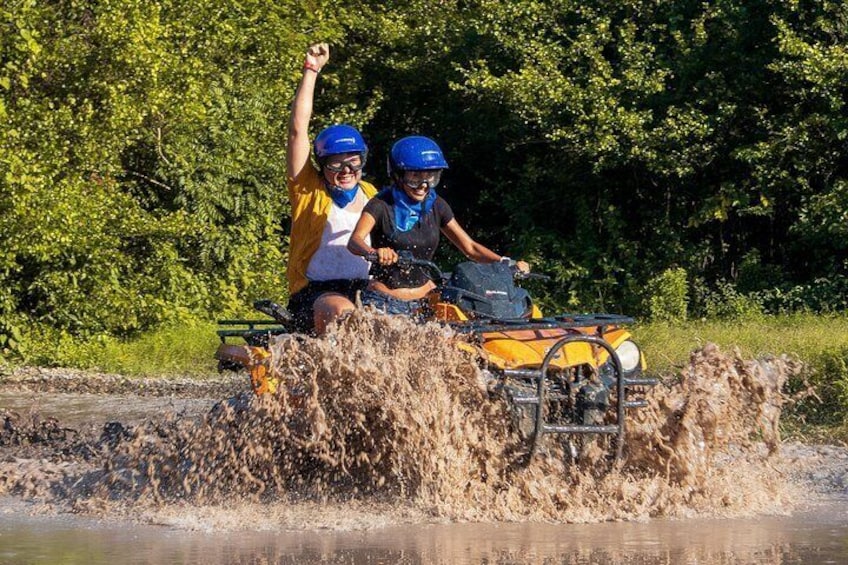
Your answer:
<point x="572" y="374"/>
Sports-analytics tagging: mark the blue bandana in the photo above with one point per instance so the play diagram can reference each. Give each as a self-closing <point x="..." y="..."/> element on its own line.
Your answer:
<point x="409" y="211"/>
<point x="340" y="196"/>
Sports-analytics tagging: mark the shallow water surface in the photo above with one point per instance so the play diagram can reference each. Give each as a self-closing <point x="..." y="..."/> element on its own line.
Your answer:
<point x="818" y="535"/>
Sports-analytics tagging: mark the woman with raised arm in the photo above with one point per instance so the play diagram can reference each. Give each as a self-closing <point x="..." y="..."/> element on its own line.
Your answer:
<point x="325" y="206"/>
<point x="409" y="216"/>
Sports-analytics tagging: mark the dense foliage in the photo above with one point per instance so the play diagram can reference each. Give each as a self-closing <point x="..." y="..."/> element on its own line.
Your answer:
<point x="662" y="158"/>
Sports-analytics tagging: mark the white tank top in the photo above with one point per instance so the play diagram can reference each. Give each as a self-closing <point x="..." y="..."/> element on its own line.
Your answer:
<point x="333" y="260"/>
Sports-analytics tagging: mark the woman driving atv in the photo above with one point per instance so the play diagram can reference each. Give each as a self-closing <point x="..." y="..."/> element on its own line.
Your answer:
<point x="325" y="206"/>
<point x="407" y="217"/>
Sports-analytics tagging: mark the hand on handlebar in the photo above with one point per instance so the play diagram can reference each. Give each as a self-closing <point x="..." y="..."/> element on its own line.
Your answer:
<point x="383" y="256"/>
<point x="518" y="268"/>
<point x="522" y="272"/>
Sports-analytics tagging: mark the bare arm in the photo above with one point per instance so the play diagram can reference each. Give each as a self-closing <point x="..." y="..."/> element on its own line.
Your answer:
<point x="472" y="249"/>
<point x="356" y="244"/>
<point x="297" y="153"/>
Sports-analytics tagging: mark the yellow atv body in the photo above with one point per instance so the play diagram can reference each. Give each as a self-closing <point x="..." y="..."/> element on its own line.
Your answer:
<point x="526" y="345"/>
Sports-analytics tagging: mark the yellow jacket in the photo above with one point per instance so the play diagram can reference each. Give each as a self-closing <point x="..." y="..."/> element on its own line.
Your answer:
<point x="310" y="208"/>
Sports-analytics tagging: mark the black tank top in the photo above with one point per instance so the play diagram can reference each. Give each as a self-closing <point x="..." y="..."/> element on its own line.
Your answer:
<point x="422" y="240"/>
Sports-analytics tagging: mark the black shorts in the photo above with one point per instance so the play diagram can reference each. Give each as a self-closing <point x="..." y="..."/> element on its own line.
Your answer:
<point x="301" y="303"/>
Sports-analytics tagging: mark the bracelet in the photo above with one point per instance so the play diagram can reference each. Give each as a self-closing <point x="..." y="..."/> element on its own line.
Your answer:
<point x="507" y="261"/>
<point x="307" y="66"/>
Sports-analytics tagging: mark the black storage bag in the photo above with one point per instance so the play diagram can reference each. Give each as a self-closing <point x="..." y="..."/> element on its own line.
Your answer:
<point x="487" y="291"/>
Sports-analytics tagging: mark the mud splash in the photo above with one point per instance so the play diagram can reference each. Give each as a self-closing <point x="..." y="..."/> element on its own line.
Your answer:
<point x="390" y="418"/>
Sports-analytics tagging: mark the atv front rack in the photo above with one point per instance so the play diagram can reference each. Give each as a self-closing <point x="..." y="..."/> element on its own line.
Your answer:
<point x="539" y="376"/>
<point x="621" y="385"/>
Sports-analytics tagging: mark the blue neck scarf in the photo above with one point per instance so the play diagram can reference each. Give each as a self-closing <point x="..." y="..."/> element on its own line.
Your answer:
<point x="409" y="211"/>
<point x="340" y="196"/>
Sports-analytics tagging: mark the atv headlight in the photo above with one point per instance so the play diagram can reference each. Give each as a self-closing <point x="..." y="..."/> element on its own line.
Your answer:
<point x="629" y="355"/>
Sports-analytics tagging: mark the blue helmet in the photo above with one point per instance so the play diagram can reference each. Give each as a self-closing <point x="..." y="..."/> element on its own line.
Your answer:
<point x="416" y="153"/>
<point x="337" y="139"/>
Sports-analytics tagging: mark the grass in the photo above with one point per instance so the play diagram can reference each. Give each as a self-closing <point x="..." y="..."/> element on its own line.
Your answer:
<point x="820" y="341"/>
<point x="184" y="350"/>
<point x="805" y="336"/>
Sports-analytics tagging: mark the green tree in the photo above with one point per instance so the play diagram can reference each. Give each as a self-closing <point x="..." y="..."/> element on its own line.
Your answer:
<point x="142" y="160"/>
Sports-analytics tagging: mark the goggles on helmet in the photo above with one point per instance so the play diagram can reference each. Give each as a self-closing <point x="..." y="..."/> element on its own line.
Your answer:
<point x="414" y="179"/>
<point x="336" y="164"/>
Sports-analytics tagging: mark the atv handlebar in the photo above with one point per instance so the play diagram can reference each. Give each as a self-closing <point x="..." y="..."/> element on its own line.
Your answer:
<point x="521" y="275"/>
<point x="406" y="260"/>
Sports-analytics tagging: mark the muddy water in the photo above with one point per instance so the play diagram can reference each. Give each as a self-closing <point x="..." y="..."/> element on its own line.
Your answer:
<point x="384" y="445"/>
<point x="78" y="410"/>
<point x="818" y="535"/>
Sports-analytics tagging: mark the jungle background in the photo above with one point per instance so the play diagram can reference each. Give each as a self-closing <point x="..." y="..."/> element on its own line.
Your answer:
<point x="675" y="161"/>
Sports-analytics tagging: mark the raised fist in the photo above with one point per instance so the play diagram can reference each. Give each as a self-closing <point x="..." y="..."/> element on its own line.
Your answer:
<point x="317" y="55"/>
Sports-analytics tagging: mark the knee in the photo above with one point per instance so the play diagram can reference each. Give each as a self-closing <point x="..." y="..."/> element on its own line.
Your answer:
<point x="333" y="306"/>
<point x="342" y="307"/>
